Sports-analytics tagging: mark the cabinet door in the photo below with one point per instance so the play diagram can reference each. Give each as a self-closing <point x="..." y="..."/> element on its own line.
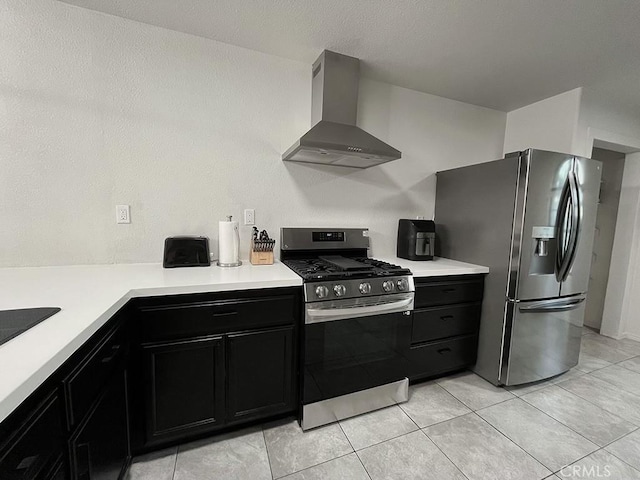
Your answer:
<point x="100" y="448"/>
<point x="36" y="445"/>
<point x="261" y="370"/>
<point x="184" y="383"/>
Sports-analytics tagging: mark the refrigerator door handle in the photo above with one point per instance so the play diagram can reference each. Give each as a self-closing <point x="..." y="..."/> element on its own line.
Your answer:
<point x="576" y="223"/>
<point x="561" y="305"/>
<point x="561" y="227"/>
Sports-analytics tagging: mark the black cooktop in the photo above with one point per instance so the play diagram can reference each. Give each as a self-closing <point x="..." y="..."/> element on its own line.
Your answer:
<point x="15" y="322"/>
<point x="335" y="267"/>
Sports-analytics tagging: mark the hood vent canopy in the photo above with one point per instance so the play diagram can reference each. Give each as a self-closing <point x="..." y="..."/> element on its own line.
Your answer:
<point x="335" y="139"/>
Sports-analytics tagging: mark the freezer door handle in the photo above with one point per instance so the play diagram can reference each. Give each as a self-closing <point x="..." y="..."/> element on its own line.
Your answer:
<point x="561" y="305"/>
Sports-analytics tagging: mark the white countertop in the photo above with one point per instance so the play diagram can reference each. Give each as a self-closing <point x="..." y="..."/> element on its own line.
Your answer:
<point x="438" y="267"/>
<point x="89" y="296"/>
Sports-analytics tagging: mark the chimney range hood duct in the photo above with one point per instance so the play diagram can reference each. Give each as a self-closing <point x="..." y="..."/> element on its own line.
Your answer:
<point x="334" y="139"/>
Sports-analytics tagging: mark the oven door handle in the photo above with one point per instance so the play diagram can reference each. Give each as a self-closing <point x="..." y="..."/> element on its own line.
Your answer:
<point x="330" y="314"/>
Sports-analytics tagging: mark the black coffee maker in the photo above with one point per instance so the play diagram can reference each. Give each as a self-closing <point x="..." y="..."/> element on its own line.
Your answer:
<point x="416" y="239"/>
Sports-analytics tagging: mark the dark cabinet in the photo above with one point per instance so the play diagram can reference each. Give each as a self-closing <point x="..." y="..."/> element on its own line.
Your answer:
<point x="184" y="382"/>
<point x="210" y="361"/>
<point x="433" y="358"/>
<point x="260" y="373"/>
<point x="100" y="447"/>
<point x="58" y="472"/>
<point x="448" y="291"/>
<point x="36" y="445"/>
<point x="161" y="370"/>
<point x="436" y="323"/>
<point x="75" y="425"/>
<point x="194" y="316"/>
<point x="446" y="321"/>
<point x="87" y="380"/>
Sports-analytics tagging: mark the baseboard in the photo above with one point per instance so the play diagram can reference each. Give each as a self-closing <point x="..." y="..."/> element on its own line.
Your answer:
<point x="631" y="336"/>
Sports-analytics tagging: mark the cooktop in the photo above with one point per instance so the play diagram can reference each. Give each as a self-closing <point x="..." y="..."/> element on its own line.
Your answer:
<point x="332" y="267"/>
<point x="15" y="322"/>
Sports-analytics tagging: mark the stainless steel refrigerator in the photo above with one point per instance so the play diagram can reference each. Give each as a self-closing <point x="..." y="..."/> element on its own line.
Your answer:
<point x="530" y="217"/>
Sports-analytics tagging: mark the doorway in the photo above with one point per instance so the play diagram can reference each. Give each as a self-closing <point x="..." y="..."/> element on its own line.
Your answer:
<point x="610" y="187"/>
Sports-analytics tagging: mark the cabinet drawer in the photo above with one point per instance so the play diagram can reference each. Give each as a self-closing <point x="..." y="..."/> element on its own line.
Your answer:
<point x="33" y="450"/>
<point x="444" y="293"/>
<point x="170" y="322"/>
<point x="440" y="322"/>
<point x="84" y="384"/>
<point x="433" y="358"/>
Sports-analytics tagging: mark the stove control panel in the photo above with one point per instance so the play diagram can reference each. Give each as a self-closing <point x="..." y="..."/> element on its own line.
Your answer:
<point x="327" y="290"/>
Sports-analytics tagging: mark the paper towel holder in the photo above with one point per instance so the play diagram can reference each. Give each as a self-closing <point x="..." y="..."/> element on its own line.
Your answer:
<point x="232" y="264"/>
<point x="236" y="264"/>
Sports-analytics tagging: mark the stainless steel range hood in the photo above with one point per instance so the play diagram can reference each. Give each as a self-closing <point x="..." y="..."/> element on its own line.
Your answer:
<point x="335" y="139"/>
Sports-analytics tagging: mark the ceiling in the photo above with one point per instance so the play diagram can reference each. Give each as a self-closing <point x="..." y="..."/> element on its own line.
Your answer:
<point x="501" y="54"/>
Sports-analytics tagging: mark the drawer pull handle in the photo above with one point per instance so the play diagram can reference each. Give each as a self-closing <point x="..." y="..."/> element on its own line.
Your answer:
<point x="114" y="352"/>
<point x="448" y="290"/>
<point x="442" y="351"/>
<point x="224" y="314"/>
<point x="446" y="317"/>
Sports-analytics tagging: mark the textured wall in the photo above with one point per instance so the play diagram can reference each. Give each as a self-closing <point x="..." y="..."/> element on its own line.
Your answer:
<point x="97" y="111"/>
<point x="549" y="124"/>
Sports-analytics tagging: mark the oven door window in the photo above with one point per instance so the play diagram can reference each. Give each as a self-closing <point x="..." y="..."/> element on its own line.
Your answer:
<point x="346" y="356"/>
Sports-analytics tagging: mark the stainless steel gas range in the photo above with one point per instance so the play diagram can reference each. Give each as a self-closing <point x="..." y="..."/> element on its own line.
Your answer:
<point x="357" y="323"/>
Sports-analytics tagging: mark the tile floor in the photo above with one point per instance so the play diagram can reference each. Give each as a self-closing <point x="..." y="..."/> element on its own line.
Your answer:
<point x="583" y="424"/>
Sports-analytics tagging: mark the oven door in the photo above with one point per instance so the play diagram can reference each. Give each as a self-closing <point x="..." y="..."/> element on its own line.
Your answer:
<point x="355" y="344"/>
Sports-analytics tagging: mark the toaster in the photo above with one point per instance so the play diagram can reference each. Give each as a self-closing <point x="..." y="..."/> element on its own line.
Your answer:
<point x="186" y="252"/>
<point x="416" y="239"/>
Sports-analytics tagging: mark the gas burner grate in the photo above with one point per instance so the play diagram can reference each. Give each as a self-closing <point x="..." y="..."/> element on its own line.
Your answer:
<point x="318" y="269"/>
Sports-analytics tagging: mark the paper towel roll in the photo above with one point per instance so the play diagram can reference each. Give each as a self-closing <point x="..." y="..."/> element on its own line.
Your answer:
<point x="228" y="243"/>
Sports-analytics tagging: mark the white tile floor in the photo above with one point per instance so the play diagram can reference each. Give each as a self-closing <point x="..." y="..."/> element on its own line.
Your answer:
<point x="583" y="424"/>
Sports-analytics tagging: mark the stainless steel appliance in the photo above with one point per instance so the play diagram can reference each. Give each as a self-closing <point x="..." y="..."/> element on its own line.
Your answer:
<point x="334" y="137"/>
<point x="416" y="239"/>
<point x="530" y="218"/>
<point x="357" y="323"/>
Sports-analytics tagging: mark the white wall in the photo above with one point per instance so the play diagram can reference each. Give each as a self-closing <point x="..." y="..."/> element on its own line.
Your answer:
<point x="622" y="301"/>
<point x="97" y="111"/>
<point x="615" y="126"/>
<point x="549" y="124"/>
<point x="607" y="123"/>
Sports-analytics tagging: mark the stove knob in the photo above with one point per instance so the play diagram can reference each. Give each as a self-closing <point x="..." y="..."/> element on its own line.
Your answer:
<point x="339" y="290"/>
<point x="321" y="291"/>
<point x="402" y="284"/>
<point x="365" y="288"/>
<point x="388" y="286"/>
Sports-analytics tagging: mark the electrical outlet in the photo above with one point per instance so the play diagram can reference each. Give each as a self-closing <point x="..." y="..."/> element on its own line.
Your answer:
<point x="123" y="214"/>
<point x="249" y="216"/>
